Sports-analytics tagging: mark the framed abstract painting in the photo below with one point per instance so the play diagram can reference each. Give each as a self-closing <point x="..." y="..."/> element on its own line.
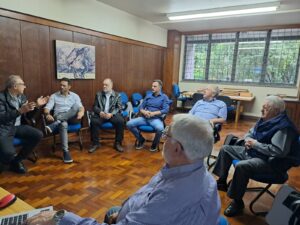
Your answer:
<point x="75" y="61"/>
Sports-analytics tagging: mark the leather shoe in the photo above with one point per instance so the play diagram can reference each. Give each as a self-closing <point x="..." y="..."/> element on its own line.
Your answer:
<point x="222" y="186"/>
<point x="234" y="208"/>
<point x="18" y="167"/>
<point x="118" y="147"/>
<point x="93" y="148"/>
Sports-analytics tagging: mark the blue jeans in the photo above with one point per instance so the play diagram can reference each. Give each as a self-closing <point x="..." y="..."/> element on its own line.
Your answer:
<point x="156" y="123"/>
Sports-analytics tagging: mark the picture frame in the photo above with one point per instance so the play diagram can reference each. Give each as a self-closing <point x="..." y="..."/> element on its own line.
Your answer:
<point x="74" y="60"/>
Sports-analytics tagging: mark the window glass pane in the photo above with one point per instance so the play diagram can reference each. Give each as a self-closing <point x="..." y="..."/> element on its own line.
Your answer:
<point x="250" y="56"/>
<point x="283" y="56"/>
<point x="221" y="57"/>
<point x="195" y="61"/>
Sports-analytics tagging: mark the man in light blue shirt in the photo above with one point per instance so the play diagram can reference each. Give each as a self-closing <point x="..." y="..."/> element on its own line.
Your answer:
<point x="209" y="108"/>
<point x="183" y="192"/>
<point x="67" y="108"/>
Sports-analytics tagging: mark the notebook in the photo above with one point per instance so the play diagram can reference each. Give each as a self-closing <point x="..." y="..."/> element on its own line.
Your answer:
<point x="19" y="218"/>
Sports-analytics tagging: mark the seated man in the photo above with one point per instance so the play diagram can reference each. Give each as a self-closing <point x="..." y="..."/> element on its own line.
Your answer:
<point x="272" y="136"/>
<point x="182" y="192"/>
<point x="67" y="108"/>
<point x="152" y="108"/>
<point x="107" y="107"/>
<point x="13" y="105"/>
<point x="209" y="108"/>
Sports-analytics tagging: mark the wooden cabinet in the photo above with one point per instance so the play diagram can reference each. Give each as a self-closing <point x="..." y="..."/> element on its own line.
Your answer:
<point x="293" y="111"/>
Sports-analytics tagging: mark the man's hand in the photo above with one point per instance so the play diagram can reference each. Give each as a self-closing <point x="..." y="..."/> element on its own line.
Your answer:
<point x="49" y="118"/>
<point x="80" y="114"/>
<point x="249" y="143"/>
<point x="108" y="116"/>
<point x="27" y="107"/>
<point x="102" y="115"/>
<point x="43" y="218"/>
<point x="42" y="101"/>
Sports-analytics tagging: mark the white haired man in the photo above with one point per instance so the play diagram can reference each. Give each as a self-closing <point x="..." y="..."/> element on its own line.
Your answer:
<point x="272" y="137"/>
<point x="182" y="192"/>
<point x="210" y="108"/>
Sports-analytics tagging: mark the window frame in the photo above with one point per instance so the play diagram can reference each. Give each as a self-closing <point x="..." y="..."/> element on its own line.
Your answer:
<point x="238" y="40"/>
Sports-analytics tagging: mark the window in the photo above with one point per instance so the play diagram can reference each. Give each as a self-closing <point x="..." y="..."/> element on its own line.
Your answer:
<point x="269" y="58"/>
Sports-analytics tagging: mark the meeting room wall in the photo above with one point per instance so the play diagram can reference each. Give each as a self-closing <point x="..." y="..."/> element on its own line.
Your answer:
<point x="91" y="14"/>
<point x="27" y="49"/>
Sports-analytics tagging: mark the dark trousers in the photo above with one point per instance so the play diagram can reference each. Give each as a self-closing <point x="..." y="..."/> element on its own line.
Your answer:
<point x="96" y="122"/>
<point x="30" y="138"/>
<point x="243" y="170"/>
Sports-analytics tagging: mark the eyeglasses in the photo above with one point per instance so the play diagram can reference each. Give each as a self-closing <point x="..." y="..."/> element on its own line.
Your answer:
<point x="23" y="84"/>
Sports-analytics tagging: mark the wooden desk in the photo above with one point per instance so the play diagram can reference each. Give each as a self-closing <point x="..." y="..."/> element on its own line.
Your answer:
<point x="239" y="106"/>
<point x="17" y="207"/>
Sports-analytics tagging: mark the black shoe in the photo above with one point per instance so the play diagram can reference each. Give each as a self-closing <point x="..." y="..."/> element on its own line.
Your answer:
<point x="222" y="185"/>
<point x="139" y="144"/>
<point x="234" y="208"/>
<point x="154" y="148"/>
<point x="118" y="147"/>
<point x="18" y="167"/>
<point x="93" y="148"/>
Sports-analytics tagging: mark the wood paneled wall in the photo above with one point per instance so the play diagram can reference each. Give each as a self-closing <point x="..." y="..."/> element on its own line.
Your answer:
<point x="27" y="49"/>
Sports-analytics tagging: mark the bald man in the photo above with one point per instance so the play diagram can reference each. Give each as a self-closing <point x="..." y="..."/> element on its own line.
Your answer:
<point x="107" y="107"/>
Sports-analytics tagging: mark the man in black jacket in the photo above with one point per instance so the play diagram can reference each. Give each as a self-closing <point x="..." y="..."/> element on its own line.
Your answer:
<point x="13" y="105"/>
<point x="107" y="107"/>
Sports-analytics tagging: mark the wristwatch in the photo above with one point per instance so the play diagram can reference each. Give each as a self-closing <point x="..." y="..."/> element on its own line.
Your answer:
<point x="58" y="216"/>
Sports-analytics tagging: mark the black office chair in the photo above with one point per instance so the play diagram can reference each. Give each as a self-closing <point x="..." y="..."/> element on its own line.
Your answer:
<point x="216" y="129"/>
<point x="291" y="160"/>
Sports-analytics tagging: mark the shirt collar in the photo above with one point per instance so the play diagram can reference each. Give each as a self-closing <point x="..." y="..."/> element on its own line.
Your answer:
<point x="180" y="170"/>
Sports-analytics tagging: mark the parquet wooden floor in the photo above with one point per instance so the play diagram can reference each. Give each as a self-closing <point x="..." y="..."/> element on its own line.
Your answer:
<point x="97" y="181"/>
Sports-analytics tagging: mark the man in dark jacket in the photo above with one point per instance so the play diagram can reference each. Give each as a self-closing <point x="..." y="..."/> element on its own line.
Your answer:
<point x="13" y="105"/>
<point x="107" y="107"/>
<point x="272" y="138"/>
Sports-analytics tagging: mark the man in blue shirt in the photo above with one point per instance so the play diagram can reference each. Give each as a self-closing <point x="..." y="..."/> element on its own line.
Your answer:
<point x="182" y="192"/>
<point x="67" y="108"/>
<point x="209" y="108"/>
<point x="153" y="107"/>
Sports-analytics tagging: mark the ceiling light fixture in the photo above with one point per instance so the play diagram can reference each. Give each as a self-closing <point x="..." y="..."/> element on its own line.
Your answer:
<point x="225" y="12"/>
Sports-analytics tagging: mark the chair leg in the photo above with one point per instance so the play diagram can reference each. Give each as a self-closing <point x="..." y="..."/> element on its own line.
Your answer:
<point x="54" y="143"/>
<point x="80" y="140"/>
<point x="261" y="192"/>
<point x="211" y="164"/>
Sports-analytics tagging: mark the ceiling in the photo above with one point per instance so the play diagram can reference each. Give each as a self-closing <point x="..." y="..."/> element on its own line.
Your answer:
<point x="155" y="11"/>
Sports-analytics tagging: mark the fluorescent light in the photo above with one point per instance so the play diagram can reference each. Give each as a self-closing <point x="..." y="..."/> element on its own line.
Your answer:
<point x="222" y="13"/>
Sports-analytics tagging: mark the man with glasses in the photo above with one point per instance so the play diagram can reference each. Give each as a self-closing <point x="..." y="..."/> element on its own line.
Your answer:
<point x="182" y="192"/>
<point x="14" y="105"/>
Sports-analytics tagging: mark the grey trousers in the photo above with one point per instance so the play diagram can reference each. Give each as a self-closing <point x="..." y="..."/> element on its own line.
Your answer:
<point x="243" y="170"/>
<point x="66" y="118"/>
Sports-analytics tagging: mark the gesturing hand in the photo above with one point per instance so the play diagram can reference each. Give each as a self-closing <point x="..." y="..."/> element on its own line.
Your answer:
<point x="42" y="100"/>
<point x="27" y="107"/>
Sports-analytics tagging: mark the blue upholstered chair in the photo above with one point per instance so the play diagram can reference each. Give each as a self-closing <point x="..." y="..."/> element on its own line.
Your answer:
<point x="222" y="221"/>
<point x="293" y="160"/>
<point x="150" y="129"/>
<point x="124" y="101"/>
<point x="177" y="95"/>
<point x="17" y="142"/>
<point x="72" y="128"/>
<point x="136" y="101"/>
